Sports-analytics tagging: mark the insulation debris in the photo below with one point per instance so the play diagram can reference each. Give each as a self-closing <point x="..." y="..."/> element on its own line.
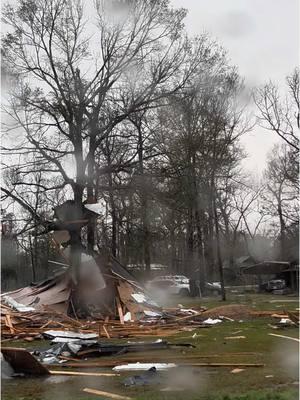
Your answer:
<point x="144" y="366"/>
<point x="17" y="306"/>
<point x="142" y="298"/>
<point x="211" y="321"/>
<point x="70" y="335"/>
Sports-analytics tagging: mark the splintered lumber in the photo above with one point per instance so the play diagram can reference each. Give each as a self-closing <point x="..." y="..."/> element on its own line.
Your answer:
<point x="75" y="373"/>
<point x="233" y="365"/>
<point x="106" y="333"/>
<point x="188" y="317"/>
<point x="68" y="358"/>
<point x="120" y="311"/>
<point x="279" y="316"/>
<point x="294" y="317"/>
<point x="235" y="337"/>
<point x="284" y="337"/>
<point x="266" y="313"/>
<point x="106" y="394"/>
<point x="9" y="323"/>
<point x="64" y="316"/>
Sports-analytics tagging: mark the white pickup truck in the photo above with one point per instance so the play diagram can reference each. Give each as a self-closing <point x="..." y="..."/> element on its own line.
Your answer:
<point x="171" y="284"/>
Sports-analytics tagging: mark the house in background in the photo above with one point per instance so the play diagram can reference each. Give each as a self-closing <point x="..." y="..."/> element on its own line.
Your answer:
<point x="267" y="270"/>
<point x="233" y="273"/>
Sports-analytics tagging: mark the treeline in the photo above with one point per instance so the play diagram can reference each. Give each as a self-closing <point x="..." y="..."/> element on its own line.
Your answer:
<point x="120" y="106"/>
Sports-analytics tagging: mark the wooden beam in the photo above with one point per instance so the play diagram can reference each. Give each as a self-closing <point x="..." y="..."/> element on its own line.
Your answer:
<point x="106" y="332"/>
<point x="75" y="373"/>
<point x="107" y="394"/>
<point x="285" y="337"/>
<point x="120" y="311"/>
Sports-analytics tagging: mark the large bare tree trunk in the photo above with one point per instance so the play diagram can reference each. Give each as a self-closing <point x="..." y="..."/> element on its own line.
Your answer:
<point x="201" y="260"/>
<point x="282" y="231"/>
<point x="217" y="235"/>
<point x="144" y="200"/>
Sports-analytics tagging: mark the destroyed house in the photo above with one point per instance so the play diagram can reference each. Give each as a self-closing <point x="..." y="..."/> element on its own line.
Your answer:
<point x="105" y="290"/>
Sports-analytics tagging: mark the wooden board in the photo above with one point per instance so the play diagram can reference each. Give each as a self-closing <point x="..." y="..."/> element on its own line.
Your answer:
<point x="106" y="394"/>
<point x="120" y="311"/>
<point x="76" y="373"/>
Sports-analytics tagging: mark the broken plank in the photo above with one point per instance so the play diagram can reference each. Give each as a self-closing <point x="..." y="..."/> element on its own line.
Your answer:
<point x="234" y="337"/>
<point x="248" y="365"/>
<point x="120" y="311"/>
<point x="186" y="318"/>
<point x="285" y="337"/>
<point x="75" y="373"/>
<point x="107" y="394"/>
<point x="106" y="332"/>
<point x="9" y="324"/>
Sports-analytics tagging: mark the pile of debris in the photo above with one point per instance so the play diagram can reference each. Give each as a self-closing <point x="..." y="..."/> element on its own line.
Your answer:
<point x="100" y="297"/>
<point x="30" y="325"/>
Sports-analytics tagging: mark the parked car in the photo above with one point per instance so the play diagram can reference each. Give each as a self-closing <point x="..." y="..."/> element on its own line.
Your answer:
<point x="273" y="284"/>
<point x="171" y="284"/>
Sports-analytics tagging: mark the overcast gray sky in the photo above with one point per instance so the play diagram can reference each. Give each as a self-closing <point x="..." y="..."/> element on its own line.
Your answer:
<point x="262" y="39"/>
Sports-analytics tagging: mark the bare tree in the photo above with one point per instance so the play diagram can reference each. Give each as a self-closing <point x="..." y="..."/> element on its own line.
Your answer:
<point x="281" y="115"/>
<point x="201" y="129"/>
<point x="79" y="77"/>
<point x="281" y="196"/>
<point x="238" y="202"/>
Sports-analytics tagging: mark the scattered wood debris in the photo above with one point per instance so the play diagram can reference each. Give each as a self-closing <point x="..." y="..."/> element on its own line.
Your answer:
<point x="235" y="311"/>
<point x="32" y="324"/>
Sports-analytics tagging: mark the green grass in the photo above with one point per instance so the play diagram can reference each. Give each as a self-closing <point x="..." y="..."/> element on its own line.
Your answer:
<point x="255" y="301"/>
<point x="280" y="357"/>
<point x="291" y="394"/>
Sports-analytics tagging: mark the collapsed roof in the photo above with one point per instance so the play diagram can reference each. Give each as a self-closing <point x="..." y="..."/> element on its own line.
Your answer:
<point x="105" y="289"/>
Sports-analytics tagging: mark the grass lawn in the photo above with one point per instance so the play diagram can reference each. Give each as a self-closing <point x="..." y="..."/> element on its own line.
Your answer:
<point x="277" y="380"/>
